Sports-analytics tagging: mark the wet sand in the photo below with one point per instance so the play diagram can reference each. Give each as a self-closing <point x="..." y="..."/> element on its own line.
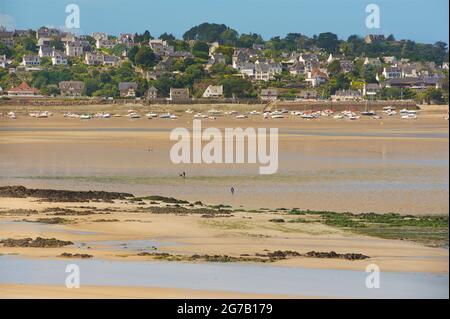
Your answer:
<point x="388" y="165"/>
<point x="108" y="292"/>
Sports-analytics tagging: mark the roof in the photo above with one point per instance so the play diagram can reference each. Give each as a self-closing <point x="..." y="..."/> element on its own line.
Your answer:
<point x="153" y="89"/>
<point x="127" y="85"/>
<point x="420" y="80"/>
<point x="74" y="85"/>
<point x="347" y="93"/>
<point x="178" y="90"/>
<point x="372" y="86"/>
<point x="24" y="88"/>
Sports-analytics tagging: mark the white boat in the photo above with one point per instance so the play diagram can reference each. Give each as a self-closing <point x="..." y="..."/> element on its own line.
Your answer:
<point x="85" y="117"/>
<point x="254" y="112"/>
<point x="309" y="116"/>
<point x="404" y="111"/>
<point x="165" y="116"/>
<point x="338" y="117"/>
<point x="277" y="116"/>
<point x="277" y="113"/>
<point x="241" y="116"/>
<point x="200" y="116"/>
<point x="173" y="117"/>
<point x="106" y="116"/>
<point x="368" y="113"/>
<point x="151" y="115"/>
<point x="214" y="112"/>
<point x="189" y="111"/>
<point x="133" y="115"/>
<point x="42" y="115"/>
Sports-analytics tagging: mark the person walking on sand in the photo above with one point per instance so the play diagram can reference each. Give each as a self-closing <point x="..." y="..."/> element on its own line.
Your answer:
<point x="232" y="190"/>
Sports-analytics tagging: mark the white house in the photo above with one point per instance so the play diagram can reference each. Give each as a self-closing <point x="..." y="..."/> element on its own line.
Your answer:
<point x="213" y="91"/>
<point x="31" y="60"/>
<point x="247" y="69"/>
<point x="161" y="47"/>
<point x="107" y="44"/>
<point x="93" y="58"/>
<point x="59" y="58"/>
<point x="372" y="62"/>
<point x="409" y="71"/>
<point x="392" y="60"/>
<point x="45" y="51"/>
<point x="110" y="60"/>
<point x="316" y="77"/>
<point x="371" y="89"/>
<point x="74" y="49"/>
<point x="3" y="61"/>
<point x="392" y="72"/>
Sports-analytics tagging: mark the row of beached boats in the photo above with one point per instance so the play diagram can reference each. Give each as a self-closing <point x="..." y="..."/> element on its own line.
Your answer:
<point x="213" y="114"/>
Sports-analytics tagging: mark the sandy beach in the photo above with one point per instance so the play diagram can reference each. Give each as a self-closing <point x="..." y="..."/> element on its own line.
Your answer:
<point x="381" y="166"/>
<point x="388" y="165"/>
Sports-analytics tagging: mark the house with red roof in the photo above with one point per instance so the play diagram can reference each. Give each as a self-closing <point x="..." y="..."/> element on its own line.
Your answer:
<point x="23" y="90"/>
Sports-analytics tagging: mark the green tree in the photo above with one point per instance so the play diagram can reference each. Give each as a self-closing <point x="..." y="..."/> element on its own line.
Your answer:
<point x="334" y="68"/>
<point x="328" y="41"/>
<point x="200" y="50"/>
<point x="145" y="57"/>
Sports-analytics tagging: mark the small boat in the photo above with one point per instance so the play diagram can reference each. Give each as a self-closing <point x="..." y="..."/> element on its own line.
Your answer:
<point x="173" y="117"/>
<point x="151" y="115"/>
<point x="241" y="116"/>
<point x="368" y="113"/>
<point x="199" y="116"/>
<point x="85" y="117"/>
<point x="214" y="112"/>
<point x="338" y="117"/>
<point x="277" y="116"/>
<point x="165" y="116"/>
<point x="254" y="112"/>
<point x="189" y="111"/>
<point x="133" y="115"/>
<point x="277" y="113"/>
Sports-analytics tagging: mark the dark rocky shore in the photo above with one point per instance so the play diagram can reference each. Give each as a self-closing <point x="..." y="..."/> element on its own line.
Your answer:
<point x="35" y="243"/>
<point x="52" y="195"/>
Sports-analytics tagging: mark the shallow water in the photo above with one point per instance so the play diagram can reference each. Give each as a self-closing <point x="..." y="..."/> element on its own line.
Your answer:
<point x="225" y="277"/>
<point x="30" y="227"/>
<point x="400" y="168"/>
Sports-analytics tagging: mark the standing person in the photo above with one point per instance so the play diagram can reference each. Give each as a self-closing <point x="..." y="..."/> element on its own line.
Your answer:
<point x="232" y="190"/>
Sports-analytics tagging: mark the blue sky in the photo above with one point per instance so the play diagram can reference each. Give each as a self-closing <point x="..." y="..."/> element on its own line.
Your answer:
<point x="420" y="20"/>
